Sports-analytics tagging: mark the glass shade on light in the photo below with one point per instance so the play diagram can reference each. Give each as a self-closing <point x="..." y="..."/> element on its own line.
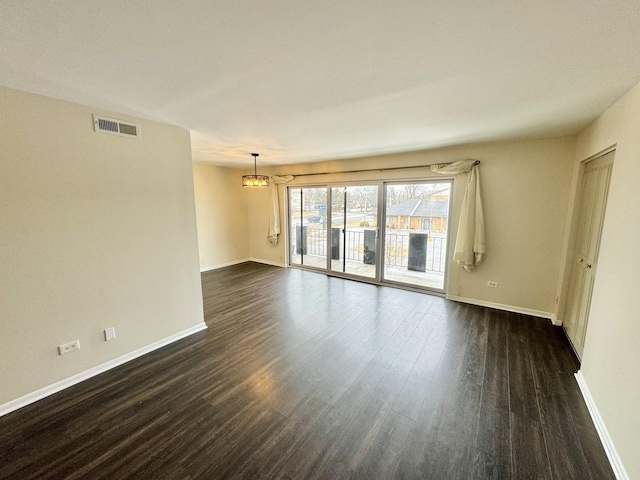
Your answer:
<point x="255" y="181"/>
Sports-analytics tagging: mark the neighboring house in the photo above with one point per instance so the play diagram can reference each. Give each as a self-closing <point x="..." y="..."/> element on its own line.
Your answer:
<point x="414" y="214"/>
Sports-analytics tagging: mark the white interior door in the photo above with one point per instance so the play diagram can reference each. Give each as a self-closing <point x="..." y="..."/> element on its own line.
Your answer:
<point x="593" y="200"/>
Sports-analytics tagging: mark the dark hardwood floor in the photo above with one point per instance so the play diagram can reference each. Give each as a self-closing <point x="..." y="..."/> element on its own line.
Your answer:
<point x="303" y="376"/>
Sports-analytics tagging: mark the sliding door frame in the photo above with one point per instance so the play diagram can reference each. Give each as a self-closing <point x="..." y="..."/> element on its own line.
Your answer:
<point x="375" y="279"/>
<point x="381" y="231"/>
<point x="383" y="234"/>
<point x="288" y="226"/>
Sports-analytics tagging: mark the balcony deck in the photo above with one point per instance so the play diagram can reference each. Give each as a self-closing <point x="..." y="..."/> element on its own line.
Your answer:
<point x="431" y="280"/>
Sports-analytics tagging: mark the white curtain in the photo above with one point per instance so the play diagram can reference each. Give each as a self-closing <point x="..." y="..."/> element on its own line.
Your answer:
<point x="470" y="242"/>
<point x="273" y="229"/>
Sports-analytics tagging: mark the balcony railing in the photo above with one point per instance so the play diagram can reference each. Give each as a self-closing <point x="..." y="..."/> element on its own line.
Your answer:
<point x="396" y="253"/>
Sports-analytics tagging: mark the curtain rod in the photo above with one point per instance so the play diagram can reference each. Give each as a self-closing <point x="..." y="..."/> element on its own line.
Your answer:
<point x="477" y="162"/>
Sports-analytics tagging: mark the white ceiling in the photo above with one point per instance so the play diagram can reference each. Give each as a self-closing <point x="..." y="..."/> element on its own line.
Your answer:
<point x="302" y="80"/>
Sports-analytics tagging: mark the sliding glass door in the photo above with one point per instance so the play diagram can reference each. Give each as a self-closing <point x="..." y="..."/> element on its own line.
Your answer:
<point x="336" y="232"/>
<point x="308" y="226"/>
<point x="354" y="230"/>
<point x="416" y="220"/>
<point x="337" y="228"/>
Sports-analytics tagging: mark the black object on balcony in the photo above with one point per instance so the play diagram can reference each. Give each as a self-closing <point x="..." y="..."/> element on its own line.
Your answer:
<point x="301" y="240"/>
<point x="369" y="255"/>
<point x="335" y="243"/>
<point x="417" y="252"/>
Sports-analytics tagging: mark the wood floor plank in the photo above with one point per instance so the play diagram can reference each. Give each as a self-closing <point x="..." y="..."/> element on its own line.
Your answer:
<point x="586" y="433"/>
<point x="267" y="460"/>
<point x="529" y="451"/>
<point x="453" y="365"/>
<point x="354" y="442"/>
<point x="522" y="388"/>
<point x="300" y="375"/>
<point x="333" y="388"/>
<point x="488" y="467"/>
<point x="318" y="446"/>
<point x="419" y="456"/>
<point x="494" y="433"/>
<point x="417" y="385"/>
<point x="565" y="453"/>
<point x="383" y="456"/>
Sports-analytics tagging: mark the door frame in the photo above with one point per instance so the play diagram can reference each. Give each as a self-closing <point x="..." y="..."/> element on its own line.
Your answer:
<point x="327" y="270"/>
<point x="288" y="225"/>
<point x="383" y="234"/>
<point x="351" y="276"/>
<point x="381" y="184"/>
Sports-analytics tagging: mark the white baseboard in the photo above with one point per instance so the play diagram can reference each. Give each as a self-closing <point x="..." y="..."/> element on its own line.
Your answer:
<point x="244" y="260"/>
<point x="268" y="262"/>
<point x="508" y="308"/>
<point x="222" y="265"/>
<point x="92" y="372"/>
<point x="603" y="433"/>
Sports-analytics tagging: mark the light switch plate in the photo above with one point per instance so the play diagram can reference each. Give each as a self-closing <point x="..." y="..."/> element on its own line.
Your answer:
<point x="109" y="333"/>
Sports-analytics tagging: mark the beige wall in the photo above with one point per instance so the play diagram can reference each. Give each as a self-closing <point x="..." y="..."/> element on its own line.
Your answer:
<point x="96" y="231"/>
<point x="221" y="212"/>
<point x="526" y="192"/>
<point x="610" y="360"/>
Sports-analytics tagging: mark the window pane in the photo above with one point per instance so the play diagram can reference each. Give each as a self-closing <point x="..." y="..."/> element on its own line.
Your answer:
<point x="416" y="226"/>
<point x="308" y="226"/>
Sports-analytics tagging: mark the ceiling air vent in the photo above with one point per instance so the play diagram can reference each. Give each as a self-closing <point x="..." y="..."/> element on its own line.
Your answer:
<point x="116" y="127"/>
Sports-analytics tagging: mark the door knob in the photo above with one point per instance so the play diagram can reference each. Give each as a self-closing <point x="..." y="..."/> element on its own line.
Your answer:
<point x="588" y="265"/>
<point x="581" y="260"/>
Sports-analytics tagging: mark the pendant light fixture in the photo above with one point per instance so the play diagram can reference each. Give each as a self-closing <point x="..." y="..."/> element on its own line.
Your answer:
<point x="255" y="180"/>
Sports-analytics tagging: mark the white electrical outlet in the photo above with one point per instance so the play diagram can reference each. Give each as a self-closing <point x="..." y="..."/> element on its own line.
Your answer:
<point x="109" y="333"/>
<point x="68" y="347"/>
<point x="492" y="284"/>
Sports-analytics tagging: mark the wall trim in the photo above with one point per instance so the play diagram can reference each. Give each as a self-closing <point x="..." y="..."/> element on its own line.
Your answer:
<point x="610" y="449"/>
<point x="267" y="262"/>
<point x="222" y="265"/>
<point x="92" y="372"/>
<point x="508" y="308"/>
